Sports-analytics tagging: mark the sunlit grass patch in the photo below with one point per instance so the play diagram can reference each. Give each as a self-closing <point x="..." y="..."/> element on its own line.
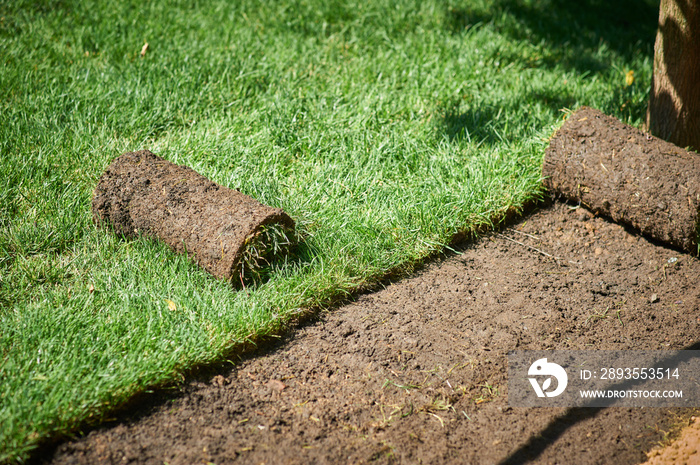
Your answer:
<point x="383" y="128"/>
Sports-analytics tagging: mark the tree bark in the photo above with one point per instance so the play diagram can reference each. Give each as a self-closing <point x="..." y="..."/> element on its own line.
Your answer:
<point x="673" y="113"/>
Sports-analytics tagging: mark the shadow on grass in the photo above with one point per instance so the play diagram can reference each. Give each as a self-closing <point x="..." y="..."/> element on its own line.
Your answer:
<point x="576" y="29"/>
<point x="479" y="124"/>
<point x="578" y="35"/>
<point x="488" y="123"/>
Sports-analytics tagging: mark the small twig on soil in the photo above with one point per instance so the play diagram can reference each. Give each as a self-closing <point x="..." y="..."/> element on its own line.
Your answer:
<point x="528" y="246"/>
<point x="524" y="234"/>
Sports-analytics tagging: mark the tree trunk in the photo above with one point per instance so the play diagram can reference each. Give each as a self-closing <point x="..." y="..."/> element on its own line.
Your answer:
<point x="674" y="103"/>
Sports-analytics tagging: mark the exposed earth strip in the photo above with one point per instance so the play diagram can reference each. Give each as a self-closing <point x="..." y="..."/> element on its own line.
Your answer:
<point x="417" y="372"/>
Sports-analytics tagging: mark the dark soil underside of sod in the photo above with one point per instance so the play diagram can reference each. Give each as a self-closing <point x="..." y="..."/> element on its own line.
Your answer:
<point x="416" y="373"/>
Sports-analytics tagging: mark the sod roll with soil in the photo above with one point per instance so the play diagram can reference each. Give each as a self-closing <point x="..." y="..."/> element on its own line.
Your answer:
<point x="620" y="172"/>
<point x="228" y="233"/>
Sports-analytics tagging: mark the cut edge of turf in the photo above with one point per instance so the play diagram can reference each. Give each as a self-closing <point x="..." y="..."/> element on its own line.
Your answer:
<point x="274" y="330"/>
<point x="270" y="242"/>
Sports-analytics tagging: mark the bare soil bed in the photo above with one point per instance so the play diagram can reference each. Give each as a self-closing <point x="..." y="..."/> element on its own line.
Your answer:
<point x="417" y="372"/>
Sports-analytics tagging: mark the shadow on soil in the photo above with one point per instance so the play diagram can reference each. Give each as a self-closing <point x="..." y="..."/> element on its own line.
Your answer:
<point x="537" y="444"/>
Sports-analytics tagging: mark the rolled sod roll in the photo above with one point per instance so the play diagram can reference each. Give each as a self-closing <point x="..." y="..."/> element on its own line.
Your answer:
<point x="633" y="178"/>
<point x="225" y="231"/>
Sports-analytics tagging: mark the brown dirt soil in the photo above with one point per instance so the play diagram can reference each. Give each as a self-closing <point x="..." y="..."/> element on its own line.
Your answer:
<point x="416" y="373"/>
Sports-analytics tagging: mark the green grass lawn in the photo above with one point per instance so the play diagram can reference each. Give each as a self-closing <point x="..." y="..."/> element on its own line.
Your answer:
<point x="382" y="127"/>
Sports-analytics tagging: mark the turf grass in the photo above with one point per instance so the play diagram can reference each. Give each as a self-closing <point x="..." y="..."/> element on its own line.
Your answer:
<point x="383" y="128"/>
